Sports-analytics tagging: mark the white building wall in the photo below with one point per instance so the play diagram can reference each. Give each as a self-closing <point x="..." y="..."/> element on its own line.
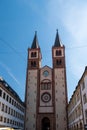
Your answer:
<point x="31" y="100"/>
<point x="60" y="99"/>
<point x="9" y="115"/>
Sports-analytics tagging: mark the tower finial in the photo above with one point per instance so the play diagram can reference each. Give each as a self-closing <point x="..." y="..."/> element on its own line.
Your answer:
<point x="57" y="30"/>
<point x="35" y="32"/>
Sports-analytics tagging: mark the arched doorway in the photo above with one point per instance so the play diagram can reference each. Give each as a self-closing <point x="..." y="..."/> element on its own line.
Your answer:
<point x="45" y="123"/>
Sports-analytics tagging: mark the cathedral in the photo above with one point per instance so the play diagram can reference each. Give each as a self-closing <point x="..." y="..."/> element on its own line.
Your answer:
<point x="46" y="89"/>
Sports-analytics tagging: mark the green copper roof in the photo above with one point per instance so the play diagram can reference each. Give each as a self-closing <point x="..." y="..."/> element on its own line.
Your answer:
<point x="35" y="42"/>
<point x="57" y="40"/>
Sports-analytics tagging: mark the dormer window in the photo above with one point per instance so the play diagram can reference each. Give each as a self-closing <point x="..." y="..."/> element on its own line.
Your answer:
<point x="58" y="52"/>
<point x="33" y="54"/>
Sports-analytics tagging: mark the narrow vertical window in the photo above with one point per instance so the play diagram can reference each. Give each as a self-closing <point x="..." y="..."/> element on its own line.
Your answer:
<point x="32" y="54"/>
<point x="56" y="52"/>
<point x="34" y="64"/>
<point x="4" y="95"/>
<point x="0" y="92"/>
<point x="84" y="98"/>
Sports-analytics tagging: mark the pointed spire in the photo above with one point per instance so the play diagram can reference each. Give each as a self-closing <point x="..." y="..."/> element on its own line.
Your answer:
<point x="35" y="42"/>
<point x="57" y="40"/>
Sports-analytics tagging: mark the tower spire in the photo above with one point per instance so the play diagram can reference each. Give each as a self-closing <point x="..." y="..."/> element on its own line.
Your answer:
<point x="35" y="43"/>
<point x="57" y="42"/>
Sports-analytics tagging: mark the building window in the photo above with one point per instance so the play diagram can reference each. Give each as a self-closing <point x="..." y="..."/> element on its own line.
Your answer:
<point x="10" y="100"/>
<point x="1" y="118"/>
<point x="14" y="112"/>
<point x="86" y="116"/>
<point x="78" y="96"/>
<point x="4" y="95"/>
<point x="33" y="54"/>
<point x="6" y="108"/>
<point x="58" y="52"/>
<point x="33" y="63"/>
<point x="58" y="62"/>
<point x="9" y="110"/>
<point x="8" y="120"/>
<point x="83" y="85"/>
<point x="84" y="98"/>
<point x="4" y="119"/>
<point x="15" y="103"/>
<point x="7" y="98"/>
<point x="46" y="86"/>
<point x="0" y="92"/>
<point x="2" y="107"/>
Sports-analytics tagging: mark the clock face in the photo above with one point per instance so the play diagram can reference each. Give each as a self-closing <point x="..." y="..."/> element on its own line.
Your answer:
<point x="45" y="73"/>
<point x="46" y="97"/>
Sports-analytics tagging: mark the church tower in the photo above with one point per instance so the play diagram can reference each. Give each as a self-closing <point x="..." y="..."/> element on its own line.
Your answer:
<point x="32" y="83"/>
<point x="59" y="78"/>
<point x="46" y="92"/>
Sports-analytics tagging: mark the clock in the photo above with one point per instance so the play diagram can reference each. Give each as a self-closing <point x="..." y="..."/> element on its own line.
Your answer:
<point x="45" y="73"/>
<point x="46" y="97"/>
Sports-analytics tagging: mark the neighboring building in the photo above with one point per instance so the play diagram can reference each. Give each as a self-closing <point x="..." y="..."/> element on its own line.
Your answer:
<point x="11" y="107"/>
<point x="46" y="90"/>
<point x="77" y="107"/>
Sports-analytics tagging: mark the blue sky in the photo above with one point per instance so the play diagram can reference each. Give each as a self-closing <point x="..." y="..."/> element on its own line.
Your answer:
<point x="19" y="19"/>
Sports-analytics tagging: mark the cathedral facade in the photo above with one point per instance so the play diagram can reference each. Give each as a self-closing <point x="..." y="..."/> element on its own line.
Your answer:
<point x="46" y="89"/>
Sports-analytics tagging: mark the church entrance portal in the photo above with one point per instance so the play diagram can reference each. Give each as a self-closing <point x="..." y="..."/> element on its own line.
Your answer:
<point x="45" y="124"/>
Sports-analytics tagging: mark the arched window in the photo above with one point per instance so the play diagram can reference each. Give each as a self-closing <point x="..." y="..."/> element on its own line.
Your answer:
<point x="33" y="54"/>
<point x="58" y="62"/>
<point x="33" y="63"/>
<point x="58" y="52"/>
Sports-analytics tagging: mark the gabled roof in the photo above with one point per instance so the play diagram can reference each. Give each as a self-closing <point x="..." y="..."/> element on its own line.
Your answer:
<point x="46" y="66"/>
<point x="57" y="42"/>
<point x="35" y="43"/>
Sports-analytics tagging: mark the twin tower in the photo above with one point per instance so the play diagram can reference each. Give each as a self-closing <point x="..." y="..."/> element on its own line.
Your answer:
<point x="46" y="90"/>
